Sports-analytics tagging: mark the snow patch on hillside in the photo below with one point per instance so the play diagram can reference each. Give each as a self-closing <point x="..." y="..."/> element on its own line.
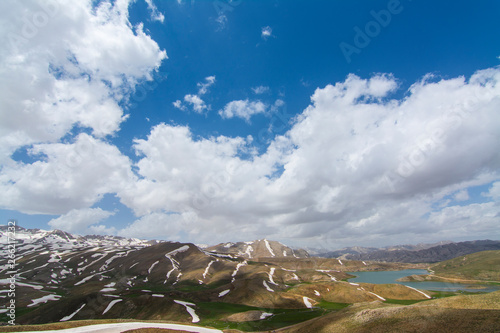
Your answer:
<point x="73" y="314"/>
<point x="189" y="309"/>
<point x="248" y="250"/>
<point x="152" y="266"/>
<point x="208" y="267"/>
<point x="307" y="302"/>
<point x="267" y="286"/>
<point x="271" y="273"/>
<point x="44" y="299"/>
<point x="183" y="248"/>
<point x="85" y="279"/>
<point x="241" y="264"/>
<point x="110" y="305"/>
<point x="269" y="248"/>
<point x="419" y="292"/>
<point x="224" y="293"/>
<point x="264" y="315"/>
<point x="380" y="297"/>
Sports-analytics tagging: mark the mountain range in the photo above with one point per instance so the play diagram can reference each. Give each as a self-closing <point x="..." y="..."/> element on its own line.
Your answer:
<point x="262" y="283"/>
<point x="61" y="277"/>
<point x="428" y="253"/>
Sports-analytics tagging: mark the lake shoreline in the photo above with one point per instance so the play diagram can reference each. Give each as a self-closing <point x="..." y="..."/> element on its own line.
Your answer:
<point x="418" y="279"/>
<point x="436" y="278"/>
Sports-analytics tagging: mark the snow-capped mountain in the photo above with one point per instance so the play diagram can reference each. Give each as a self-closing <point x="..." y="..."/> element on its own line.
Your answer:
<point x="261" y="248"/>
<point x="59" y="277"/>
<point x="62" y="239"/>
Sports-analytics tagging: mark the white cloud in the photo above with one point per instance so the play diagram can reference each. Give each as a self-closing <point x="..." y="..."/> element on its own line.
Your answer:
<point x="494" y="191"/>
<point x="355" y="168"/>
<point x="155" y="14"/>
<point x="69" y="176"/>
<point x="209" y="81"/>
<point x="71" y="68"/>
<point x="242" y="109"/>
<point x="82" y="221"/>
<point x="198" y="105"/>
<point x="260" y="90"/>
<point x="462" y="195"/>
<point x="155" y="226"/>
<point x="196" y="102"/>
<point x="266" y="32"/>
<point x="476" y="219"/>
<point x="178" y="104"/>
<point x="173" y="178"/>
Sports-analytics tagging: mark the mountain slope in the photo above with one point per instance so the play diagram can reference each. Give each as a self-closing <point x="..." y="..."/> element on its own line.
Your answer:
<point x="462" y="314"/>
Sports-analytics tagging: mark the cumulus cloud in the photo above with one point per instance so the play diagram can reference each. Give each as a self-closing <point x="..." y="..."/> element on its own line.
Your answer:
<point x="68" y="64"/>
<point x="242" y="109"/>
<point x="355" y="166"/>
<point x="196" y="102"/>
<point x="198" y="105"/>
<point x="70" y="176"/>
<point x="175" y="168"/>
<point x="260" y="90"/>
<point x="82" y="221"/>
<point x="166" y="226"/>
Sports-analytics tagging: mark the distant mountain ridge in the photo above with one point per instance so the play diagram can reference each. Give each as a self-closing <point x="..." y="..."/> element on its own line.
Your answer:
<point x="427" y="254"/>
<point x="346" y="251"/>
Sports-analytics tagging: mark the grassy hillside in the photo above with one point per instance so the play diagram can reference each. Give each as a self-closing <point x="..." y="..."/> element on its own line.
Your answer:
<point x="477" y="313"/>
<point x="477" y="266"/>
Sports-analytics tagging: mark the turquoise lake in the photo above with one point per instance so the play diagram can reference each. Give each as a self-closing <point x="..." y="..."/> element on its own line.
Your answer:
<point x="382" y="277"/>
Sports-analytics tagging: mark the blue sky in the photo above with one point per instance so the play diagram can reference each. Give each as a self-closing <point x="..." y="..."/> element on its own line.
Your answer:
<point x="213" y="121"/>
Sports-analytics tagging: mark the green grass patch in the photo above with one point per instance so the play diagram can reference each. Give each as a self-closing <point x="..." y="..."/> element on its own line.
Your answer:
<point x="19" y="312"/>
<point x="217" y="310"/>
<point x="332" y="306"/>
<point x="212" y="314"/>
<point x="441" y="294"/>
<point x="280" y="318"/>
